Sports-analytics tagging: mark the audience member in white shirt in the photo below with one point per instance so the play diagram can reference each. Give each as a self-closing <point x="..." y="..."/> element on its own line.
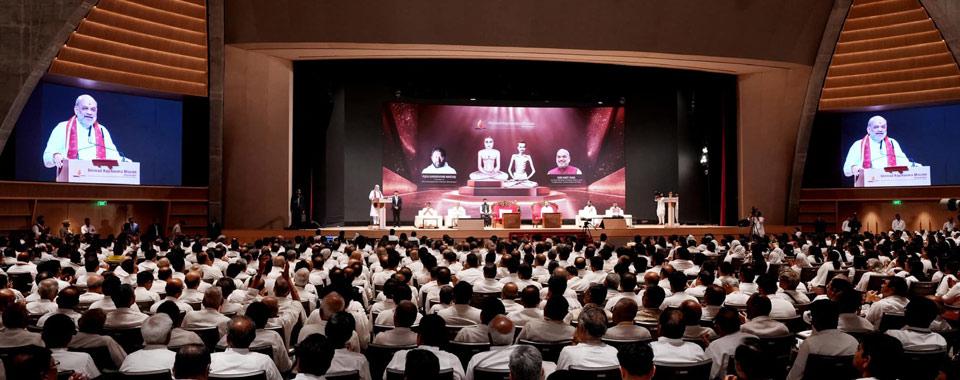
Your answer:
<point x="767" y="285"/>
<point x="523" y="361"/>
<point x="191" y="295"/>
<point x="461" y="313"/>
<point x="314" y="357"/>
<point x="144" y="292"/>
<point x="826" y="339"/>
<point x="47" y="292"/>
<point x="590" y="351"/>
<point x="678" y="283"/>
<point x="916" y="335"/>
<point x="636" y="362"/>
<point x="760" y="324"/>
<point x="210" y="315"/>
<point x="879" y="356"/>
<point x="173" y="289"/>
<point x="670" y="347"/>
<point x="489" y="283"/>
<point x="894" y="292"/>
<point x="404" y="316"/>
<point x="530" y="301"/>
<point x="508" y="296"/>
<point x="125" y="316"/>
<point x="66" y="303"/>
<point x="552" y="327"/>
<point x="94" y="291"/>
<point x="624" y="328"/>
<point x="432" y="336"/>
<point x="727" y="325"/>
<point x="90" y="332"/>
<point x="692" y="314"/>
<point x="57" y="333"/>
<point x="154" y="356"/>
<point x="238" y="359"/>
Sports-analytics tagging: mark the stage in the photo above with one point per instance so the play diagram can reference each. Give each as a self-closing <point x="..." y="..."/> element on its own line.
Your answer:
<point x="616" y="236"/>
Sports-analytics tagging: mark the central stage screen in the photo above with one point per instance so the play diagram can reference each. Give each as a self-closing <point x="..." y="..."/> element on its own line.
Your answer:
<point x="530" y="156"/>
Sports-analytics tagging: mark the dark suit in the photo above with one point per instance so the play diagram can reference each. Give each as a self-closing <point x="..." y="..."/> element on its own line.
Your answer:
<point x="396" y="207"/>
<point x="297" y="210"/>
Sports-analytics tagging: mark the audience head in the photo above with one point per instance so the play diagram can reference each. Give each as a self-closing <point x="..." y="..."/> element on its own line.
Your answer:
<point x="462" y="293"/>
<point x="625" y="310"/>
<point x="592" y="324"/>
<point x="825" y="315"/>
<point x="526" y="363"/>
<point x="68" y="298"/>
<point x="556" y="308"/>
<point x="636" y="361"/>
<point x="314" y="355"/>
<point x="879" y="356"/>
<point x="92" y="321"/>
<point x="758" y="306"/>
<point x="530" y="297"/>
<point x="156" y="329"/>
<point x="421" y="364"/>
<point x="653" y="297"/>
<point x="405" y="314"/>
<point x="920" y="312"/>
<point x="241" y="331"/>
<point x="340" y="328"/>
<point x="501" y="331"/>
<point x="31" y="363"/>
<point x="432" y="331"/>
<point x="671" y="323"/>
<point x="753" y="361"/>
<point x="192" y="362"/>
<point x="58" y="330"/>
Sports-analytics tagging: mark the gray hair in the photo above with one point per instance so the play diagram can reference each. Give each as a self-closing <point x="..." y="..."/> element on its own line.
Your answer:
<point x="526" y="363"/>
<point x="301" y="277"/>
<point x="791" y="277"/>
<point x="156" y="329"/>
<point x="594" y="321"/>
<point x="613" y="281"/>
<point x="730" y="281"/>
<point x="500" y="339"/>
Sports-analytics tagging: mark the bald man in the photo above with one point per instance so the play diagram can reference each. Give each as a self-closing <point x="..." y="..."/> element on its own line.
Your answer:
<point x="208" y="316"/>
<point x="94" y="291"/>
<point x="874" y="150"/>
<point x="624" y="312"/>
<point x="508" y="295"/>
<point x="173" y="290"/>
<point x="192" y="294"/>
<point x="48" y="292"/>
<point x="81" y="137"/>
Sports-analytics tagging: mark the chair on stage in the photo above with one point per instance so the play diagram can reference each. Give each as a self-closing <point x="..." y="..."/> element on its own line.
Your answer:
<point x="537" y="213"/>
<point x="453" y="217"/>
<point x="501" y="208"/>
<point x="424" y="220"/>
<point x="585" y="216"/>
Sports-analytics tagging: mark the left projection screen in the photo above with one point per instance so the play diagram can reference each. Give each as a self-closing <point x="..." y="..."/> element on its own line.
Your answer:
<point x="101" y="136"/>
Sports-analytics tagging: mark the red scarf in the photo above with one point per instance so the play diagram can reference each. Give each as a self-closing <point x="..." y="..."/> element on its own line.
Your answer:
<point x="72" y="139"/>
<point x="868" y="161"/>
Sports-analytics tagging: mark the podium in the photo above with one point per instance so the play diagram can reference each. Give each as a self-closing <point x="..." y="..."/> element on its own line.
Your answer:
<point x="552" y="219"/>
<point x="381" y="206"/>
<point x="511" y="220"/>
<point x="673" y="205"/>
<point x="99" y="171"/>
<point x="894" y="176"/>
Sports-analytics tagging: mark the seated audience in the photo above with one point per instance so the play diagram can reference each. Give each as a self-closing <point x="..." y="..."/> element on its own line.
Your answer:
<point x="432" y="334"/>
<point x="879" y="357"/>
<point x="720" y="350"/>
<point x="238" y="359"/>
<point x="154" y="356"/>
<point x="125" y="316"/>
<point x="692" y="314"/>
<point x="916" y="335"/>
<point x="760" y="324"/>
<point x="670" y="346"/>
<point x="552" y="327"/>
<point x="892" y="299"/>
<point x="15" y="332"/>
<point x="461" y="313"/>
<point x="530" y="300"/>
<point x="90" y="335"/>
<point x="491" y="308"/>
<point x="192" y="362"/>
<point x="624" y="328"/>
<point x="339" y="329"/>
<point x="589" y="351"/>
<point x="56" y="336"/>
<point x="826" y="339"/>
<point x="636" y="362"/>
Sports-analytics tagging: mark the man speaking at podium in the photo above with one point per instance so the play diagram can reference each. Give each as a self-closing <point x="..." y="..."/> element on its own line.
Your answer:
<point x="80" y="137"/>
<point x="875" y="150"/>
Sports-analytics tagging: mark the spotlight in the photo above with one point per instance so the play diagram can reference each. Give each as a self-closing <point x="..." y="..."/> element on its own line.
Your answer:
<point x="473" y="99"/>
<point x="600" y="103"/>
<point x="397" y="94"/>
<point x="623" y="100"/>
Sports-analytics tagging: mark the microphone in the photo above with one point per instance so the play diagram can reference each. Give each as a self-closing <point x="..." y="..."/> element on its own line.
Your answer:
<point x="123" y="157"/>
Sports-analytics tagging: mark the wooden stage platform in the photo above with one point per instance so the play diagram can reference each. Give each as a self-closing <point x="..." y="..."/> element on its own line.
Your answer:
<point x="616" y="236"/>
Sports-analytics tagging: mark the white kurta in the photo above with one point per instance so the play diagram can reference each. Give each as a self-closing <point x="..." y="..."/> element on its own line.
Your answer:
<point x="374" y="195"/>
<point x="878" y="155"/>
<point x="86" y="144"/>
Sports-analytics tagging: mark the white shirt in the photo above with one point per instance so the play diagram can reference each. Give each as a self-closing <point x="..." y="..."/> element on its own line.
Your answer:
<point x="722" y="349"/>
<point x="86" y="143"/>
<point x="85" y="340"/>
<point x="886" y="305"/>
<point x="916" y="339"/>
<point x="78" y="362"/>
<point x="540" y="330"/>
<point x="498" y="358"/>
<point x="85" y="229"/>
<point x="781" y="308"/>
<point x="522" y="316"/>
<point x="150" y="358"/>
<point x="124" y="317"/>
<point x="239" y="361"/>
<point x="459" y="315"/>
<point x="68" y="312"/>
<point x="398" y="336"/>
<point x="345" y="360"/>
<point x="205" y="318"/>
<point x="144" y="295"/>
<point x="764" y="327"/>
<point x="446" y="359"/>
<point x="41" y="307"/>
<point x="675" y="299"/>
<point x="588" y="356"/>
<point x="878" y="155"/>
<point x="831" y="342"/>
<point x="627" y="331"/>
<point x="676" y="351"/>
<point x="487" y="285"/>
<point x="898" y="224"/>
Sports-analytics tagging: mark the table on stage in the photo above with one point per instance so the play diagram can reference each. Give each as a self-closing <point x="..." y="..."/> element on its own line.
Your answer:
<point x="673" y="205"/>
<point x="470" y="224"/>
<point x="381" y="205"/>
<point x="99" y="171"/>
<point x="894" y="176"/>
<point x="552" y="219"/>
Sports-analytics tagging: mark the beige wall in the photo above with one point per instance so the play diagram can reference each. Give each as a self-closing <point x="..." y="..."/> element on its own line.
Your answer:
<point x="258" y="105"/>
<point x="769" y="108"/>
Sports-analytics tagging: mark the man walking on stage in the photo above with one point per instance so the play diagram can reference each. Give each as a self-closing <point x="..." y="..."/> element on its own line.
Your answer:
<point x="397" y="205"/>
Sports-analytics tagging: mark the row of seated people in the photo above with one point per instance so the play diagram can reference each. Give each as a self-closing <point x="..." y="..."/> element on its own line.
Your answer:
<point x="272" y="287"/>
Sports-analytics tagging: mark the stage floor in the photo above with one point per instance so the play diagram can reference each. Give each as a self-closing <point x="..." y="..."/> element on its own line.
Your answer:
<point x="617" y="236"/>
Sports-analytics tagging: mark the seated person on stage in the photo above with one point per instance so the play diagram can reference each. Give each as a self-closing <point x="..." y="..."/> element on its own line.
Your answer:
<point x="589" y="209"/>
<point x="428" y="210"/>
<point x="454" y="213"/>
<point x="547" y="207"/>
<point x="488" y="163"/>
<point x="615" y="210"/>
<point x="519" y="174"/>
